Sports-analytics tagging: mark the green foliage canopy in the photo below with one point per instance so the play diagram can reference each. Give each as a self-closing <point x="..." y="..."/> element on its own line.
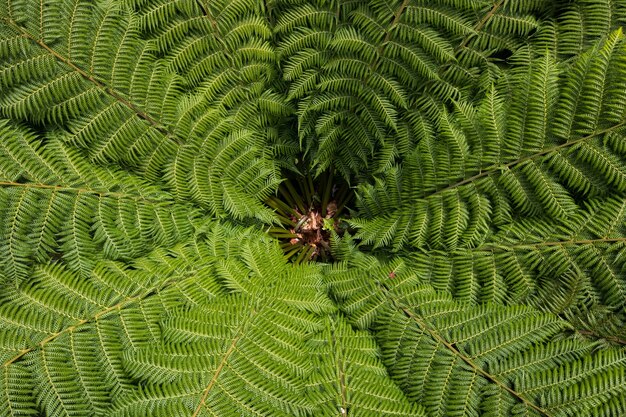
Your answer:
<point x="485" y="269"/>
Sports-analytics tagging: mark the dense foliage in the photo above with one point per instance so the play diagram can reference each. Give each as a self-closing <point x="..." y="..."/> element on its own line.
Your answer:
<point x="483" y="266"/>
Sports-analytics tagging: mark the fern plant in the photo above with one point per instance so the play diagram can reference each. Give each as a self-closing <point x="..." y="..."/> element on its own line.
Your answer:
<point x="153" y="255"/>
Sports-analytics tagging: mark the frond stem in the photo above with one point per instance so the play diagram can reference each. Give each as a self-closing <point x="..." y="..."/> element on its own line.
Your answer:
<point x="78" y="191"/>
<point x="396" y="19"/>
<point x="119" y="306"/>
<point x="482" y="22"/>
<point x="216" y="30"/>
<point x="553" y="243"/>
<point x="495" y="168"/>
<point x="591" y="333"/>
<point x="381" y="49"/>
<point x="118" y="96"/>
<point x="440" y="339"/>
<point x="223" y="363"/>
<point x="341" y="375"/>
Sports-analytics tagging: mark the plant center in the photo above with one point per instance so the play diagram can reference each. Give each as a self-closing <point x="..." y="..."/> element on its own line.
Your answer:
<point x="310" y="211"/>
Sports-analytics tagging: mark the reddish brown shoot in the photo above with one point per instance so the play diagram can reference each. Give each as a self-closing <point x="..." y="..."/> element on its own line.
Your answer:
<point x="309" y="229"/>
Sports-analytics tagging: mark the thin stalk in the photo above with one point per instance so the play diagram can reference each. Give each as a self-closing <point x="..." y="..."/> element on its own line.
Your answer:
<point x="296" y="196"/>
<point x="495" y="168"/>
<point x="326" y="192"/>
<point x="282" y="211"/>
<point x="308" y="193"/>
<point x="305" y="254"/>
<point x="99" y="83"/>
<point x="300" y="257"/>
<point x="279" y="231"/>
<point x="591" y="333"/>
<point x="295" y="250"/>
<point x="309" y="179"/>
<point x="284" y="220"/>
<point x="287" y="196"/>
<point x="279" y="205"/>
<point x="310" y="252"/>
<point x="341" y="198"/>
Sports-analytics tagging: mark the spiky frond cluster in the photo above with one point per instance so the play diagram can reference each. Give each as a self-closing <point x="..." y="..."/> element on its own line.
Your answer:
<point x="142" y="147"/>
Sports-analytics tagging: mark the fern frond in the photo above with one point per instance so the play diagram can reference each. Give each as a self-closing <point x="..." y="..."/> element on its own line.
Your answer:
<point x="230" y="351"/>
<point x="349" y="378"/>
<point x="71" y="331"/>
<point x="578" y="158"/>
<point x="459" y="349"/>
<point x="572" y="265"/>
<point x="236" y="366"/>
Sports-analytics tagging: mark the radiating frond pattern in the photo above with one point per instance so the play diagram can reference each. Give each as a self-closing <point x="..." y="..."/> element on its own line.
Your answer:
<point x="480" y="270"/>
<point x="457" y="358"/>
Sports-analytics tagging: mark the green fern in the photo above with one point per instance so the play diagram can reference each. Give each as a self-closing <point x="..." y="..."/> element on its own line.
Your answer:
<point x="147" y="154"/>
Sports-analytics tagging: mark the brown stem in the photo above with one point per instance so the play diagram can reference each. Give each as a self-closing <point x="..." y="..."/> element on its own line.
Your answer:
<point x="341" y="374"/>
<point x="381" y="49"/>
<point x="69" y="329"/>
<point x="76" y="190"/>
<point x="554" y="243"/>
<point x="100" y="84"/>
<point x="495" y="168"/>
<point x="591" y="333"/>
<point x="479" y="26"/>
<point x="423" y="325"/>
<point x="222" y="364"/>
<point x="119" y="306"/>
